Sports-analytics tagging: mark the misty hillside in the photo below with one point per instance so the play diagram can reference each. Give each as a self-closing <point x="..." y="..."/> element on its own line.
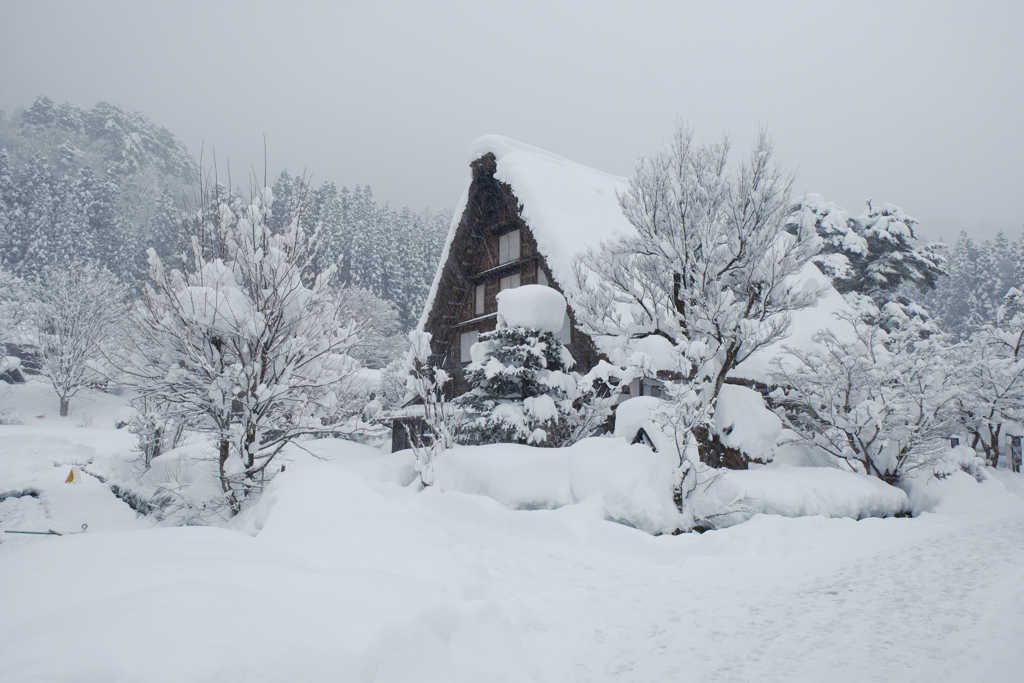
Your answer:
<point x="105" y="184"/>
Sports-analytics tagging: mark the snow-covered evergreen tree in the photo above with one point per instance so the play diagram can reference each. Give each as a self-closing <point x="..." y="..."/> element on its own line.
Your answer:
<point x="980" y="275"/>
<point x="875" y="253"/>
<point x="522" y="387"/>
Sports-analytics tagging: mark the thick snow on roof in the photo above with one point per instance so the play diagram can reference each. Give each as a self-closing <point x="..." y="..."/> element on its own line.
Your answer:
<point x="568" y="207"/>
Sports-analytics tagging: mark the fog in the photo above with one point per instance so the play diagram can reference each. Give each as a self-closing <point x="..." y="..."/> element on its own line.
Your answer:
<point x="916" y="104"/>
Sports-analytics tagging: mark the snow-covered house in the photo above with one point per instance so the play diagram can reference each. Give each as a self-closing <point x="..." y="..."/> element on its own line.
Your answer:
<point x="524" y="217"/>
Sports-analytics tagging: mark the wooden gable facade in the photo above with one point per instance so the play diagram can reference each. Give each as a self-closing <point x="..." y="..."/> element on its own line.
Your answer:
<point x="492" y="249"/>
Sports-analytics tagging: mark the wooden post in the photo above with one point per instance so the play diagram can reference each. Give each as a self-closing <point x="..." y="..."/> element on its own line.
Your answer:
<point x="1015" y="453"/>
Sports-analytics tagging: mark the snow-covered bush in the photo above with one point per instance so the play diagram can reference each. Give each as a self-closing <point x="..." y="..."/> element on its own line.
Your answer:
<point x="154" y="427"/>
<point x="882" y="403"/>
<point x="439" y="414"/>
<point x="243" y="342"/>
<point x="523" y="389"/>
<point x="77" y="307"/>
<point x="991" y="378"/>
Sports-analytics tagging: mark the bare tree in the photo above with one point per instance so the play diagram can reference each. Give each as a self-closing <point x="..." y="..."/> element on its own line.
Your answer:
<point x="882" y="402"/>
<point x="77" y="307"/>
<point x="439" y="414"/>
<point x="709" y="267"/>
<point x="244" y="342"/>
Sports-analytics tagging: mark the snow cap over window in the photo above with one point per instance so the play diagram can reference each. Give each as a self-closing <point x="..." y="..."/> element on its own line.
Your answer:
<point x="534" y="307"/>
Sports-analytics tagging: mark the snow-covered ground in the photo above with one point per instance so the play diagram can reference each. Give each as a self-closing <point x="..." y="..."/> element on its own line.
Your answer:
<point x="341" y="573"/>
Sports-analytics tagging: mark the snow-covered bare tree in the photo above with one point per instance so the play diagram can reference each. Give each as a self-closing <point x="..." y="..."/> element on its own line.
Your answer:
<point x="881" y="402"/>
<point x="77" y="306"/>
<point x="710" y="267"/>
<point x="439" y="414"/>
<point x="991" y="378"/>
<point x="244" y="342"/>
<point x="380" y="338"/>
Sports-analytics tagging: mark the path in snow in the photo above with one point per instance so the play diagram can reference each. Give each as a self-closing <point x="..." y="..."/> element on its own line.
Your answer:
<point x="931" y="607"/>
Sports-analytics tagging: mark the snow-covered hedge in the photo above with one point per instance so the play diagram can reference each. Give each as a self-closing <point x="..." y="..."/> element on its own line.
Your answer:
<point x="633" y="485"/>
<point x="737" y="495"/>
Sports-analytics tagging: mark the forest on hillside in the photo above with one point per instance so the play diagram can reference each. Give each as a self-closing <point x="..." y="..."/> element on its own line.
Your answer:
<point x="103" y="185"/>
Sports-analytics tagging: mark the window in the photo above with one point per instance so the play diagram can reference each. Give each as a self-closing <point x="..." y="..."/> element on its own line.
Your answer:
<point x="467" y="340"/>
<point x="510" y="282"/>
<point x="542" y="279"/>
<point x="480" y="291"/>
<point x="565" y="334"/>
<point x="508" y="247"/>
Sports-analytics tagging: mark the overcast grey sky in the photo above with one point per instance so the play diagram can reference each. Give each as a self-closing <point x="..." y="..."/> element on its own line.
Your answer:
<point x="919" y="104"/>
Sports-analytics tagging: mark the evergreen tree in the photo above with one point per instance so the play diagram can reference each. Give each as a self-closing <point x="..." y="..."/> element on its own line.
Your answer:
<point x="874" y="254"/>
<point x="522" y="389"/>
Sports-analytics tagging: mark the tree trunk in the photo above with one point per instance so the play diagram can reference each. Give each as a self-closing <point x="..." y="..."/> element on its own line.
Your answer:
<point x="714" y="453"/>
<point x="64" y="400"/>
<point x="224" y="449"/>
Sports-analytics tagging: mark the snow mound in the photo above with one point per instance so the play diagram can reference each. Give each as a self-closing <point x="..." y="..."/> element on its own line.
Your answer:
<point x="534" y="307"/>
<point x="634" y="414"/>
<point x="960" y="494"/>
<point x="744" y="423"/>
<point x="631" y="484"/>
<point x="737" y="495"/>
<point x="341" y="583"/>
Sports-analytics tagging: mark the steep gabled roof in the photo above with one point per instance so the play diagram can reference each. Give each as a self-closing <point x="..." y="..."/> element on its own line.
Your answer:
<point x="568" y="207"/>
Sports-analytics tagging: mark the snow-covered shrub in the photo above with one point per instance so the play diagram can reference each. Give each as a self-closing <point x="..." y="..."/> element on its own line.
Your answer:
<point x="392" y="389"/>
<point x="243" y="343"/>
<point x="523" y="389"/>
<point x="157" y="431"/>
<point x="991" y="379"/>
<point x="882" y="403"/>
<point x="439" y="414"/>
<point x="959" y="459"/>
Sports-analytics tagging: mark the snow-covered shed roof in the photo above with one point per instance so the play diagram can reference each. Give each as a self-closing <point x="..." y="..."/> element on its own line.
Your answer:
<point x="570" y="208"/>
